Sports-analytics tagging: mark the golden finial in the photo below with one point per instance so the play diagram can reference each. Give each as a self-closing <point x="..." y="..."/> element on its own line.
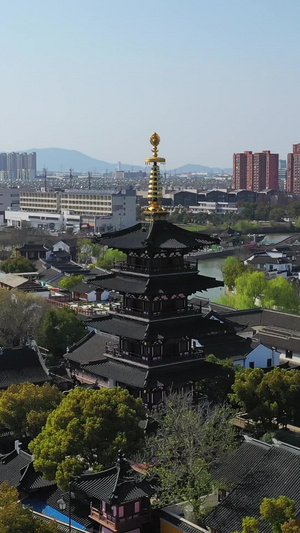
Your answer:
<point x="155" y="140"/>
<point x="155" y="209"/>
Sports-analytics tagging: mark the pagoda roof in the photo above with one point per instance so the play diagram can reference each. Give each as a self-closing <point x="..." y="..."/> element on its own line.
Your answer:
<point x="157" y="235"/>
<point x="178" y="327"/>
<point x="170" y="375"/>
<point x="118" y="484"/>
<point x="20" y="365"/>
<point x="156" y="285"/>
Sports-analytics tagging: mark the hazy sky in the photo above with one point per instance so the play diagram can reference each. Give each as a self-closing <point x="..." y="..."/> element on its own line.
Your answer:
<point x="212" y="77"/>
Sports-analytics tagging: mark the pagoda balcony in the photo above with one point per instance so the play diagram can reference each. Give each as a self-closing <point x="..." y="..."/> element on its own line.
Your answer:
<point x="119" y="525"/>
<point x="157" y="270"/>
<point x="115" y="351"/>
<point x="159" y="315"/>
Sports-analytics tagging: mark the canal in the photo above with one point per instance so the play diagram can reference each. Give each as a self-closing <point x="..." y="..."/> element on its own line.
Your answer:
<point x="213" y="267"/>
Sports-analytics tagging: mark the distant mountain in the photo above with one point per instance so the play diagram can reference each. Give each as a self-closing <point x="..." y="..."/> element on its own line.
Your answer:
<point x="59" y="159"/>
<point x="201" y="168"/>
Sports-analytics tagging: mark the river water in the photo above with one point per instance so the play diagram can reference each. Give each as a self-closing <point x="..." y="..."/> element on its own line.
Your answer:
<point x="213" y="267"/>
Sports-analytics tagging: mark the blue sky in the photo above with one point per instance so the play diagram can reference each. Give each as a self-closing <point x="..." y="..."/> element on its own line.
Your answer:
<point x="212" y="77"/>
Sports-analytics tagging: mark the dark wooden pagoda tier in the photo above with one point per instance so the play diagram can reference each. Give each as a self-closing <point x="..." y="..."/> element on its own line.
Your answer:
<point x="133" y="283"/>
<point x="153" y="337"/>
<point x="156" y="235"/>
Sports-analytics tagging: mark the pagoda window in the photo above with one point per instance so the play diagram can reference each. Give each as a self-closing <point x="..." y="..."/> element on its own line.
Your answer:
<point x="121" y="511"/>
<point x="137" y="507"/>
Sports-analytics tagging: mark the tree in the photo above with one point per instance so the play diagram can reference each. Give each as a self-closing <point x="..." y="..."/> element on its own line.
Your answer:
<point x="277" y="511"/>
<point x="250" y="288"/>
<point x="277" y="214"/>
<point x="24" y="408"/>
<point x="280" y="294"/>
<point x="20" y="318"/>
<point x="108" y="258"/>
<point x="14" y="518"/>
<point x="270" y="398"/>
<point x="70" y="281"/>
<point x="61" y="328"/>
<point x="86" y="431"/>
<point x="231" y="270"/>
<point x="17" y="264"/>
<point x="188" y="442"/>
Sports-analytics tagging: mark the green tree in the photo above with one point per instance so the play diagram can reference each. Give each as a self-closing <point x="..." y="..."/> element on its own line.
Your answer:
<point x="70" y="281"/>
<point x="250" y="288"/>
<point x="277" y="511"/>
<point x="61" y="328"/>
<point x="108" y="258"/>
<point x="24" y="408"/>
<point x="14" y="518"/>
<point x="293" y="209"/>
<point x="17" y="264"/>
<point x="86" y="431"/>
<point x="188" y="441"/>
<point x="277" y="214"/>
<point x="231" y="270"/>
<point x="270" y="398"/>
<point x="21" y="317"/>
<point x="280" y="294"/>
<point x="290" y="526"/>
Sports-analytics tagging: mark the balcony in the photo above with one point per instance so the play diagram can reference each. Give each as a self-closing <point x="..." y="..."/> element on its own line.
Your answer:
<point x="156" y="270"/>
<point x="115" y="351"/>
<point x="120" y="525"/>
<point x="159" y="315"/>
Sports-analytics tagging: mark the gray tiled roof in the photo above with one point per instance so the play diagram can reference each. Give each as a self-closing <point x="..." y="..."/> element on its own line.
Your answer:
<point x="11" y="466"/>
<point x="19" y="365"/>
<point x="171" y="375"/>
<point x="235" y="466"/>
<point x="193" y="326"/>
<point x="185" y="282"/>
<point x="89" y="349"/>
<point x="275" y="474"/>
<point x="119" y="484"/>
<point x="156" y="235"/>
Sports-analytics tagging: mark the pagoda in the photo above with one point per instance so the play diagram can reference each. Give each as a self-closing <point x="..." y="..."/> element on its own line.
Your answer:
<point x="155" y="337"/>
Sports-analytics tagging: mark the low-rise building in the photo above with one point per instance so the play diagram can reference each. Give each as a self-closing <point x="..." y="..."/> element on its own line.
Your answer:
<point x="57" y="210"/>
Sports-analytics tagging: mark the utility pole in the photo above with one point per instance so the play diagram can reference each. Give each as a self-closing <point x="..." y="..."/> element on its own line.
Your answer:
<point x="45" y="178"/>
<point x="71" y="177"/>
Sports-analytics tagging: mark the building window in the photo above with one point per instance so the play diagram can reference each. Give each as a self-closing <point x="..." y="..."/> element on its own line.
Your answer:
<point x="289" y="354"/>
<point x="269" y="362"/>
<point x="251" y="365"/>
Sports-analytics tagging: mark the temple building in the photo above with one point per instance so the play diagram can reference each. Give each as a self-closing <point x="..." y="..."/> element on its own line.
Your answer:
<point x="152" y="341"/>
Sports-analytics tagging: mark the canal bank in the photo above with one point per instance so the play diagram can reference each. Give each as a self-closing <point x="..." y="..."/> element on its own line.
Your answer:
<point x="210" y="264"/>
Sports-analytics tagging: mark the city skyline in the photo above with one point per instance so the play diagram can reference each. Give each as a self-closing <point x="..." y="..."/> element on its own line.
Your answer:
<point x="210" y="77"/>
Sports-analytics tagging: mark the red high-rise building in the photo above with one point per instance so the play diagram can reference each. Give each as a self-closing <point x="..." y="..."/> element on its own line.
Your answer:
<point x="239" y="171"/>
<point x="272" y="170"/>
<point x="255" y="172"/>
<point x="293" y="170"/>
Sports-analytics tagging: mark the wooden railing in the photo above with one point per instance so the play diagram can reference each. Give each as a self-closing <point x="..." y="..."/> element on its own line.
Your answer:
<point x="115" y="351"/>
<point x="188" y="310"/>
<point x="120" y="525"/>
<point x="145" y="269"/>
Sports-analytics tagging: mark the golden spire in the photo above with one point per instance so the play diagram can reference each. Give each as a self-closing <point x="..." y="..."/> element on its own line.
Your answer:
<point x="155" y="209"/>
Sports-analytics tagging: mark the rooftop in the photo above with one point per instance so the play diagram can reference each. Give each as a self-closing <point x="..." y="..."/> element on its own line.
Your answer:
<point x="157" y="235"/>
<point x="20" y="365"/>
<point x="260" y="471"/>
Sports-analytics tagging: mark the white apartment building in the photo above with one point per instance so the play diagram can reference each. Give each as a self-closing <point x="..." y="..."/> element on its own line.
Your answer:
<point x="57" y="210"/>
<point x="220" y="208"/>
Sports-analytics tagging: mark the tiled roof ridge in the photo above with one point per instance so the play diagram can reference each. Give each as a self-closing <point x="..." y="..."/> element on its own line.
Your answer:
<point x="102" y="473"/>
<point x="84" y="339"/>
<point x="261" y="443"/>
<point x="285" y="445"/>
